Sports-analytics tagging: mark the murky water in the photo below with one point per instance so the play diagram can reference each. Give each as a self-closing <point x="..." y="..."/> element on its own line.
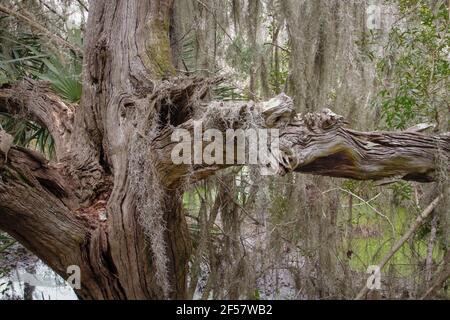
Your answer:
<point x="47" y="284"/>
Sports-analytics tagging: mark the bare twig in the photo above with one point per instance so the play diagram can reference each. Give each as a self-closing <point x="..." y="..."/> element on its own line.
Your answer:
<point x="368" y="204"/>
<point x="419" y="221"/>
<point x="53" y="37"/>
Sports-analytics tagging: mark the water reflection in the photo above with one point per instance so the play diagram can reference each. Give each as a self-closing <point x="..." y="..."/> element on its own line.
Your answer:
<point x="37" y="283"/>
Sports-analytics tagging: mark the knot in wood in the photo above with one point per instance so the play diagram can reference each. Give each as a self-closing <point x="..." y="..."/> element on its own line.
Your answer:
<point x="278" y="112"/>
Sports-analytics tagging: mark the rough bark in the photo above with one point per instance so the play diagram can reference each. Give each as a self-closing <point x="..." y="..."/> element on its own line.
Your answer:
<point x="126" y="51"/>
<point x="317" y="143"/>
<point x="37" y="208"/>
<point x="33" y="100"/>
<point x="113" y="255"/>
<point x="85" y="208"/>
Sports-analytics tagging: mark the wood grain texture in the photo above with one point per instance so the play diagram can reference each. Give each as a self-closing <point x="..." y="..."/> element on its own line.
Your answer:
<point x="131" y="98"/>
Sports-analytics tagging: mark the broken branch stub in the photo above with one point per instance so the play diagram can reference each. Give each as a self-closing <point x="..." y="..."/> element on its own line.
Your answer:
<point x="6" y="141"/>
<point x="277" y="112"/>
<point x="316" y="143"/>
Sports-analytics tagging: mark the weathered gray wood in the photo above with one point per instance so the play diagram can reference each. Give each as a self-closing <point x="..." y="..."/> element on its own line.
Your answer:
<point x="33" y="100"/>
<point x="113" y="156"/>
<point x="316" y="143"/>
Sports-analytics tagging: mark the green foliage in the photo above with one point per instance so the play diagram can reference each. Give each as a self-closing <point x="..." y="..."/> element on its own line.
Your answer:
<point x="22" y="55"/>
<point x="75" y="36"/>
<point x="414" y="68"/>
<point x="401" y="191"/>
<point x="350" y="185"/>
<point x="188" y="53"/>
<point x="239" y="55"/>
<point x="257" y="295"/>
<point x="65" y="79"/>
<point x="368" y="249"/>
<point x="5" y="242"/>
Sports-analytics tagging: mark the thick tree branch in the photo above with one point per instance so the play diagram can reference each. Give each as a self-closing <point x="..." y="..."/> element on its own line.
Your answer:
<point x="75" y="149"/>
<point x="116" y="161"/>
<point x="127" y="52"/>
<point x="39" y="209"/>
<point x="34" y="100"/>
<point x="35" y="206"/>
<point x="316" y="143"/>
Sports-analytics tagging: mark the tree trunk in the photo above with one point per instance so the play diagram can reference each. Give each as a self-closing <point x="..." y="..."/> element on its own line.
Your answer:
<point x="126" y="51"/>
<point x="111" y="202"/>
